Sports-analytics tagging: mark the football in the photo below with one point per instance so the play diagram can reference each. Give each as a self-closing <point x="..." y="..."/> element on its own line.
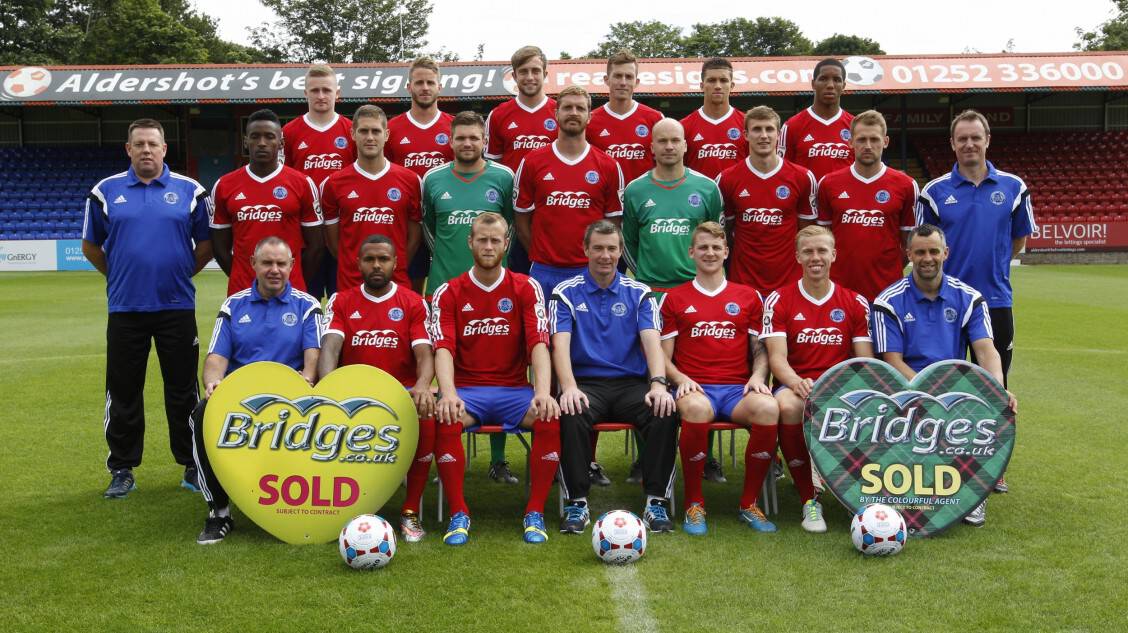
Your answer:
<point x="618" y="537"/>
<point x="878" y="530"/>
<point x="27" y="82"/>
<point x="367" y="542"/>
<point x="862" y="71"/>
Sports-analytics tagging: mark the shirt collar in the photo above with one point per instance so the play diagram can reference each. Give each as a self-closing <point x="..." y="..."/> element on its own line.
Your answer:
<point x="162" y="179"/>
<point x="282" y="296"/>
<point x="918" y="296"/>
<point x="592" y="287"/>
<point x="958" y="178"/>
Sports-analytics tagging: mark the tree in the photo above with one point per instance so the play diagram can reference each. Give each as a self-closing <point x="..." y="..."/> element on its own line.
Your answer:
<point x="38" y="32"/>
<point x="839" y="44"/>
<point x="206" y="28"/>
<point x="741" y="37"/>
<point x="644" y="39"/>
<point x="1111" y="35"/>
<point x="139" y="32"/>
<point x="343" y="31"/>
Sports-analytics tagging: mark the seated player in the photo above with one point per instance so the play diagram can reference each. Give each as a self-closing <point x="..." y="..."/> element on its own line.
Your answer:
<point x="249" y="329"/>
<point x="810" y="325"/>
<point x="928" y="317"/>
<point x="710" y="330"/>
<point x="384" y="324"/>
<point x="489" y="325"/>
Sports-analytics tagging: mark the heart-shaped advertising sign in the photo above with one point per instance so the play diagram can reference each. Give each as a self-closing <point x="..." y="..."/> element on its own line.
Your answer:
<point x="933" y="448"/>
<point x="299" y="460"/>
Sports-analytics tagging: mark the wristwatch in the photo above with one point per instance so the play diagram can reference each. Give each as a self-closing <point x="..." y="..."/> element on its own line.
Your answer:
<point x="662" y="380"/>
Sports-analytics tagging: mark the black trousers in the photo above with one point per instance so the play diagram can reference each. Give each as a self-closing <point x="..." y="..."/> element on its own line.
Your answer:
<point x="128" y="339"/>
<point x="213" y="491"/>
<point x="1002" y="326"/>
<point x="618" y="400"/>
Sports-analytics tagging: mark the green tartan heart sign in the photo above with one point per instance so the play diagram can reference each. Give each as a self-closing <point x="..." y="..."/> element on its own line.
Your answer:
<point x="933" y="448"/>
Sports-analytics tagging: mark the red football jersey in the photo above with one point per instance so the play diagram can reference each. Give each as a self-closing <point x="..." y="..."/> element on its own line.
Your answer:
<point x="564" y="197"/>
<point x="713" y="145"/>
<point x="318" y="151"/>
<point x="491" y="331"/>
<point x="867" y="218"/>
<point x="512" y="130"/>
<point x="713" y="331"/>
<point x="764" y="211"/>
<point x="254" y="208"/>
<point x="419" y="146"/>
<point x="363" y="204"/>
<point x="380" y="331"/>
<point x="821" y="145"/>
<point x="626" y="138"/>
<point x="820" y="334"/>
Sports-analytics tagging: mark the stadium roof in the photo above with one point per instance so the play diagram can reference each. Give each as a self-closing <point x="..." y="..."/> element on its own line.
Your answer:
<point x="281" y="83"/>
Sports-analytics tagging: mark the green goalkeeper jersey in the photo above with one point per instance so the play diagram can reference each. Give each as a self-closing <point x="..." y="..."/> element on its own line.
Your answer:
<point x="658" y="219"/>
<point x="451" y="201"/>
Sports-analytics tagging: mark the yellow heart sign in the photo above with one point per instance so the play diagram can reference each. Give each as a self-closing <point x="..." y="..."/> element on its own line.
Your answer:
<point x="300" y="460"/>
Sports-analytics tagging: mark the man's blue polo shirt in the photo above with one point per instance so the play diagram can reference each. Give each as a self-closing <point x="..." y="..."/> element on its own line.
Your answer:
<point x="926" y="330"/>
<point x="605" y="324"/>
<point x="250" y="328"/>
<point x="980" y="223"/>
<point x="147" y="232"/>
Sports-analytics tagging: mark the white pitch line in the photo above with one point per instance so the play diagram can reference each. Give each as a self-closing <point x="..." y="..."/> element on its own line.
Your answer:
<point x="629" y="596"/>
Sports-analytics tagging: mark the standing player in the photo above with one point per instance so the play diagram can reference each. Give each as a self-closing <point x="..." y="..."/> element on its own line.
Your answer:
<point x="712" y="131"/>
<point x="372" y="196"/>
<point x="987" y="215"/>
<point x="621" y="126"/>
<point x="524" y="123"/>
<point x="929" y="317"/>
<point x="710" y="332"/>
<point x="383" y="324"/>
<point x="562" y="188"/>
<point x="870" y="209"/>
<point x="767" y="201"/>
<point x="818" y="137"/>
<point x="146" y="231"/>
<point x="453" y="195"/>
<point x="264" y="199"/>
<point x="317" y="144"/>
<point x="490" y="326"/>
<point x="809" y="326"/>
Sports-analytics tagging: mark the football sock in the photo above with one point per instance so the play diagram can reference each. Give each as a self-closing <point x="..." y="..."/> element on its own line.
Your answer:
<point x="692" y="446"/>
<point x="757" y="460"/>
<point x="451" y="463"/>
<point x="420" y="465"/>
<point x="225" y="511"/>
<point x="794" y="449"/>
<point x="497" y="447"/>
<point x="543" y="463"/>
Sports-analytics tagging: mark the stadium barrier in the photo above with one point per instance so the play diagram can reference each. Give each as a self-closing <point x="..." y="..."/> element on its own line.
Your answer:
<point x="1078" y="236"/>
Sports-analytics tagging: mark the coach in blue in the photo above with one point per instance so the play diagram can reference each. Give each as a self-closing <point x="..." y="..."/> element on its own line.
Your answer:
<point x="608" y="360"/>
<point x="270" y="321"/>
<point x="146" y="230"/>
<point x="929" y="317"/>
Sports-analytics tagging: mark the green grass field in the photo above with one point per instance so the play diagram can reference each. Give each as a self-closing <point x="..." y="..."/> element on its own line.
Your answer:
<point x="1052" y="556"/>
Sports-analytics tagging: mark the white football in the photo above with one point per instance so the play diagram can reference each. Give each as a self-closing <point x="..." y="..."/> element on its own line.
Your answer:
<point x="618" y="537"/>
<point x="367" y="542"/>
<point x="862" y="71"/>
<point x="878" y="530"/>
<point x="27" y="81"/>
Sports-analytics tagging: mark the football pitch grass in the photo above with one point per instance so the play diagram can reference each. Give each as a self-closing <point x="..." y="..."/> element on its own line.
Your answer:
<point x="1051" y="557"/>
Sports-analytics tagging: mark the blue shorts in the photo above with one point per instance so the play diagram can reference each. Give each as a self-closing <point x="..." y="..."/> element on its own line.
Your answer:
<point x="724" y="399"/>
<point x="505" y="406"/>
<point x="550" y="276"/>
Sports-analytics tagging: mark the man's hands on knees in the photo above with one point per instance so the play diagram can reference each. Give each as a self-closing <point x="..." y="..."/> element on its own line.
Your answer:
<point x="686" y="387"/>
<point x="450" y="409"/>
<point x="573" y="401"/>
<point x="544" y="407"/>
<point x="659" y="400"/>
<point x="424" y="400"/>
<point x="802" y="388"/>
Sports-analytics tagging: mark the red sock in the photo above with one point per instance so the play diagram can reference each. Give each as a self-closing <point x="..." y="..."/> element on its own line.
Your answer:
<point x="693" y="445"/>
<point x="757" y="459"/>
<point x="543" y="462"/>
<point x="420" y="465"/>
<point x="594" y="444"/>
<point x="794" y="449"/>
<point x="451" y="464"/>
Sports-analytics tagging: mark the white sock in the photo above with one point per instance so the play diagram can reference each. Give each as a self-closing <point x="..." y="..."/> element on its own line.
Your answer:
<point x="225" y="511"/>
<point x="651" y="499"/>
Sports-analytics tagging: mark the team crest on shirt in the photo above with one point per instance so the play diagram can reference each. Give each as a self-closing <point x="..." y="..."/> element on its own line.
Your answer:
<point x="695" y="199"/>
<point x="505" y="305"/>
<point x="838" y="315"/>
<point x="441" y="138"/>
<point x="280" y="193"/>
<point x="950" y="315"/>
<point x="171" y="197"/>
<point x="641" y="130"/>
<point x="341" y="142"/>
<point x="592" y="176"/>
<point x="732" y="309"/>
<point x="394" y="194"/>
<point x="290" y="319"/>
<point x="619" y="309"/>
<point x="998" y="197"/>
<point x="782" y="192"/>
<point x="882" y="196"/>
<point x="492" y="196"/>
<point x="845" y="134"/>
<point x="550" y="124"/>
<point x="395" y="314"/>
<point x="733" y="133"/>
